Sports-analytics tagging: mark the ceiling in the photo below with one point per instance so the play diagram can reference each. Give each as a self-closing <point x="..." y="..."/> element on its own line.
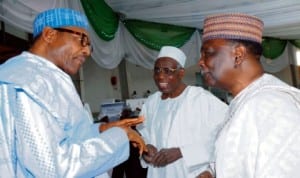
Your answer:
<point x="281" y="19"/>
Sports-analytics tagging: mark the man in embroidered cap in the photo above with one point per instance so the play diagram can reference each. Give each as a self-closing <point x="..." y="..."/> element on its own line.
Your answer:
<point x="181" y="122"/>
<point x="262" y="135"/>
<point x="45" y="130"/>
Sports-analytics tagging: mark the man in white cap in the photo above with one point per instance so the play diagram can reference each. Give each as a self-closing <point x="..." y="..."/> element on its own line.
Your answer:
<point x="45" y="130"/>
<point x="181" y="122"/>
<point x="261" y="138"/>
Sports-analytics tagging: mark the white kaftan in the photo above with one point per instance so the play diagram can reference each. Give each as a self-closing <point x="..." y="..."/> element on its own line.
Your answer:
<point x="45" y="130"/>
<point x="191" y="122"/>
<point x="262" y="136"/>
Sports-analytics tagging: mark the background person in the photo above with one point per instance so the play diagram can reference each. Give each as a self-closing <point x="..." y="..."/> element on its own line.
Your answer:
<point x="262" y="135"/>
<point x="181" y="121"/>
<point x="45" y="130"/>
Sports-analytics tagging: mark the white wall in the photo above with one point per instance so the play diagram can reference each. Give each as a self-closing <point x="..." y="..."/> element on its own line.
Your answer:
<point x="97" y="86"/>
<point x="285" y="75"/>
<point x="139" y="79"/>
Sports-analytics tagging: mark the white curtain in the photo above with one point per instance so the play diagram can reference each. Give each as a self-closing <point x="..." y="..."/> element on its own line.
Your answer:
<point x="276" y="65"/>
<point x="125" y="46"/>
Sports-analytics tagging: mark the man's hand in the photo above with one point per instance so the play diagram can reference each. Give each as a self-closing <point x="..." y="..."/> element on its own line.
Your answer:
<point x="136" y="139"/>
<point x="128" y="122"/>
<point x="166" y="156"/>
<point x="205" y="174"/>
<point x="147" y="156"/>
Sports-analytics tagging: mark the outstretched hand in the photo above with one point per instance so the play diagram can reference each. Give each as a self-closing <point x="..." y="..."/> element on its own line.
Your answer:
<point x="127" y="122"/>
<point x="136" y="140"/>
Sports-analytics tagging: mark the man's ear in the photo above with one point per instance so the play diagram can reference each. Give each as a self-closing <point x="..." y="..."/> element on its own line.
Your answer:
<point x="240" y="54"/>
<point x="181" y="72"/>
<point x="49" y="34"/>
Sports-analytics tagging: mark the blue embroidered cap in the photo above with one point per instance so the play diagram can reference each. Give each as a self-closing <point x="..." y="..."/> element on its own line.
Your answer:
<point x="59" y="17"/>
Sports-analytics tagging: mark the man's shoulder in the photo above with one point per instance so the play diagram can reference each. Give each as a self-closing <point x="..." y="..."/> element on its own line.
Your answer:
<point x="193" y="91"/>
<point x="11" y="67"/>
<point x="27" y="72"/>
<point x="155" y="96"/>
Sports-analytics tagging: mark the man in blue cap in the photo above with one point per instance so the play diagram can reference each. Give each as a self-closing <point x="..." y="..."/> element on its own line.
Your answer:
<point x="45" y="130"/>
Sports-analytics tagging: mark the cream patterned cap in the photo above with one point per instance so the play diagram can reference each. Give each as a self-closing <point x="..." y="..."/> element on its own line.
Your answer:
<point x="233" y="26"/>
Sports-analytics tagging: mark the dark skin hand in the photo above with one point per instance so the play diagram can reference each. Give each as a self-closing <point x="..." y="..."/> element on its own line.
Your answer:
<point x="136" y="140"/>
<point x="162" y="157"/>
<point x="153" y="157"/>
<point x="147" y="156"/>
<point x="166" y="156"/>
<point x="205" y="174"/>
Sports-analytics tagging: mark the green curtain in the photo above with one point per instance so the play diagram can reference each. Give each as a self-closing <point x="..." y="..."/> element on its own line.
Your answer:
<point x="295" y="43"/>
<point x="155" y="35"/>
<point x="102" y="18"/>
<point x="272" y="47"/>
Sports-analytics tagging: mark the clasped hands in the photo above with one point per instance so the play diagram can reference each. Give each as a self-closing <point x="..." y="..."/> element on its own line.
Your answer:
<point x="166" y="156"/>
<point x="162" y="157"/>
<point x="126" y="124"/>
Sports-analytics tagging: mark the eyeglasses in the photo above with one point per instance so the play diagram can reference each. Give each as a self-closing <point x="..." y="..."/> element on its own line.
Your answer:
<point x="165" y="70"/>
<point x="84" y="39"/>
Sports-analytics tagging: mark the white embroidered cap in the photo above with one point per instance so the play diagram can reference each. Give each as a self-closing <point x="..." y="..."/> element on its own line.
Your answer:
<point x="174" y="53"/>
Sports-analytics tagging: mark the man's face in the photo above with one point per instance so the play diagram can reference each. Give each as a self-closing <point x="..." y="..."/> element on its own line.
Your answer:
<point x="217" y="62"/>
<point x="70" y="49"/>
<point x="167" y="75"/>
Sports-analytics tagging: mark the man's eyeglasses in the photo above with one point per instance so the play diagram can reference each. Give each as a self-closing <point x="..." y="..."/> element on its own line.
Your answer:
<point x="84" y="39"/>
<point x="165" y="70"/>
